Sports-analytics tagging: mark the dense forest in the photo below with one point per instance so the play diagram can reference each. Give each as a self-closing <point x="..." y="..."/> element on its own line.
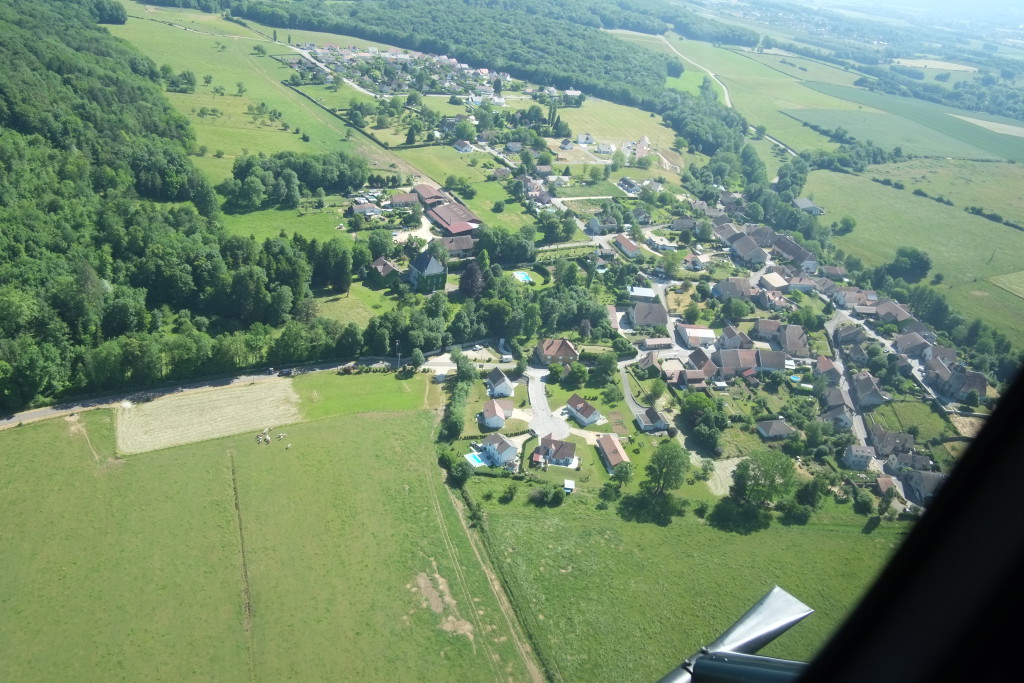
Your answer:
<point x="114" y="269"/>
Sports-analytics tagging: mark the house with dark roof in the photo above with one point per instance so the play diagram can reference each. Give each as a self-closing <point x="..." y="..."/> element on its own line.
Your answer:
<point x="554" y="452"/>
<point x="789" y="250"/>
<point x="495" y="412"/>
<point x="683" y="223"/>
<point x="382" y="271"/>
<point x="650" y="420"/>
<point x="734" y="288"/>
<point x="924" y="485"/>
<point x="427" y="274"/>
<point x="849" y="334"/>
<point x="556" y="351"/>
<point x="747" y="251"/>
<point x="582" y="411"/>
<point x="648" y="314"/>
<point x="911" y="344"/>
<point x="770" y="361"/>
<point x="889" y="311"/>
<point x="733" y="338"/>
<point x="887" y="443"/>
<point x="498" y="384"/>
<point x="793" y="340"/>
<point x="702" y="362"/>
<point x="807" y="206"/>
<point x="773" y="430"/>
<point x="732" y="362"/>
<point x="868" y="391"/>
<point x="943" y="353"/>
<point x="963" y="381"/>
<point x="840" y="416"/>
<point x="766" y="329"/>
<point x="610" y="448"/>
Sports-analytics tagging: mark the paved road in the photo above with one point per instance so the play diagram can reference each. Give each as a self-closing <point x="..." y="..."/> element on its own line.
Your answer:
<point x="544" y="422"/>
<point x="627" y="392"/>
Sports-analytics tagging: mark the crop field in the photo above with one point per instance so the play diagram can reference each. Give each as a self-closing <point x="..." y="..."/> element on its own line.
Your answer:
<point x="188" y="418"/>
<point x="354" y="563"/>
<point x="607" y="599"/>
<point x="965" y="183"/>
<point x="805" y="69"/>
<point x="966" y="249"/>
<point x="942" y="120"/>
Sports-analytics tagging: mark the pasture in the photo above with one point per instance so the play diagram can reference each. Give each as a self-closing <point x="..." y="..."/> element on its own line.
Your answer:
<point x="357" y="306"/>
<point x="606" y="599"/>
<point x="341" y="557"/>
<point x="614" y="123"/>
<point x="942" y="120"/>
<point x="325" y="394"/>
<point x="321" y="225"/>
<point x="191" y="417"/>
<point x="966" y="249"/>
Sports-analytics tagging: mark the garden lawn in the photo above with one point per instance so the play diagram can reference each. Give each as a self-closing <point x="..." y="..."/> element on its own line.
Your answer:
<point x="897" y="416"/>
<point x="609" y="600"/>
<point x="357" y="306"/>
<point x="966" y="249"/>
<point x="269" y="223"/>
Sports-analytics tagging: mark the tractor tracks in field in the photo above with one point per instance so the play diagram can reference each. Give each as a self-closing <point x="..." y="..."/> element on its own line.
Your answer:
<point x="246" y="589"/>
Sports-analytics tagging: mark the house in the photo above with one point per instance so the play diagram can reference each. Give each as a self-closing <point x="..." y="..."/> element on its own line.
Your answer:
<point x="602" y="226"/>
<point x="628" y="246"/>
<point x="455" y="219"/>
<point x="383" y="269"/>
<point x="799" y="283"/>
<point x="558" y="180"/>
<point x="726" y="233"/>
<point x="793" y="340"/>
<point x="427" y="274"/>
<point x="650" y="420"/>
<point x="495" y="413"/>
<point x="458" y="246"/>
<point x="613" y="318"/>
<point x="770" y="361"/>
<point x="772" y="300"/>
<point x="849" y="334"/>
<point x="645" y="314"/>
<point x="937" y="373"/>
<point x="924" y="485"/>
<point x="695" y="336"/>
<point x="657" y="343"/>
<point x="962" y="382"/>
<point x="585" y="139"/>
<point x="498" y="384"/>
<point x="858" y="457"/>
<point x="833" y="272"/>
<point x="858" y="354"/>
<point x="840" y="416"/>
<point x="732" y="362"/>
<point x="500" y="173"/>
<point x="733" y="338"/>
<point x="943" y="353"/>
<point x="888" y="443"/>
<point x="788" y="249"/>
<point x="807" y="206"/>
<point x="926" y="332"/>
<point x="648" y="360"/>
<point x="746" y="250"/>
<point x="890" y="311"/>
<point x="610" y="448"/>
<point x="582" y="411"/>
<point x="773" y="281"/>
<point x="773" y="430"/>
<point x="824" y="367"/>
<point x="696" y="262"/>
<point x="404" y="200"/>
<point x="684" y="223"/>
<point x="642" y="294"/>
<point x="429" y="196"/>
<point x="766" y="329"/>
<point x="556" y="351"/>
<point x="605" y="148"/>
<point x="867" y="390"/>
<point x="911" y="344"/>
<point x="734" y="288"/>
<point x="554" y="452"/>
<point x="641" y="216"/>
<point x="366" y="210"/>
<point x="837" y="397"/>
<point x="514" y="147"/>
<point x="566" y="145"/>
<point x="883" y="484"/>
<point x="463" y="146"/>
<point x="500" y="449"/>
<point x="702" y="363"/>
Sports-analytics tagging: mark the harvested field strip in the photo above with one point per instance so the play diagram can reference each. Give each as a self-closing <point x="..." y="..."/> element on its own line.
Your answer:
<point x="199" y="416"/>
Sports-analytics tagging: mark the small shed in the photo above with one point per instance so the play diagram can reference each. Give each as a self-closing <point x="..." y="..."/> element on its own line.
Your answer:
<point x="569" y="486"/>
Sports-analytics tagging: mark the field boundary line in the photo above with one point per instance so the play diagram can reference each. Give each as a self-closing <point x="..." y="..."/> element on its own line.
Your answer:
<point x="246" y="589"/>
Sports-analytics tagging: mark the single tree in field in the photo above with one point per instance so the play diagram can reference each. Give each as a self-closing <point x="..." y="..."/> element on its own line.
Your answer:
<point x="240" y="88"/>
<point x="763" y="477"/>
<point x="667" y="467"/>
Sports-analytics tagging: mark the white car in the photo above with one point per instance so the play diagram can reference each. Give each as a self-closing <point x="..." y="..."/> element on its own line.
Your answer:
<point x="478" y="348"/>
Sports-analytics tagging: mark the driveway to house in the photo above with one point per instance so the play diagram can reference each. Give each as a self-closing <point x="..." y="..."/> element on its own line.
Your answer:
<point x="627" y="392"/>
<point x="543" y="421"/>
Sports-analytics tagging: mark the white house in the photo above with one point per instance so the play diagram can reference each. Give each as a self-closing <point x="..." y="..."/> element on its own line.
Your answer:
<point x="858" y="457"/>
<point x="463" y="146"/>
<point x="585" y="139"/>
<point x="605" y="148"/>
<point x="581" y="411"/>
<point x="495" y="413"/>
<point x="498" y="384"/>
<point x="500" y="449"/>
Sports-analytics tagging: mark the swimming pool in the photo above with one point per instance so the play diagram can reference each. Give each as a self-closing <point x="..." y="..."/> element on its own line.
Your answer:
<point x="795" y="378"/>
<point x="474" y="459"/>
<point x="522" y="276"/>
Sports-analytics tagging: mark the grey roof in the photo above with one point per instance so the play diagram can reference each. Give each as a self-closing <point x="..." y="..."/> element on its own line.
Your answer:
<point x="496" y="377"/>
<point x="774" y="429"/>
<point x="649" y="314"/>
<point x="427" y="264"/>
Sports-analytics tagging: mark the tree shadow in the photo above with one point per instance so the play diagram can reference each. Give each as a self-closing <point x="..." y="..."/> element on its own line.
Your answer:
<point x="738" y="517"/>
<point x="871" y="525"/>
<point x="647" y="508"/>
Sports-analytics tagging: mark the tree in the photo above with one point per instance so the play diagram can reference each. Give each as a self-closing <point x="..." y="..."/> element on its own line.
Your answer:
<point x="577" y="375"/>
<point x="667" y="468"/>
<point x="910" y="263"/>
<point x="471" y="282"/>
<point x="692" y="313"/>
<point x="460" y="473"/>
<point x="657" y="389"/>
<point x="240" y="88"/>
<point x="765" y="476"/>
<point x="416" y="358"/>
<point x="670" y="262"/>
<point x="605" y="368"/>
<point x="554" y="373"/>
<point x="623" y="473"/>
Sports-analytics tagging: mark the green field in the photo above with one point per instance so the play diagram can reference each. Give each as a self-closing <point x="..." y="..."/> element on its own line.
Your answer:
<point x="610" y="600"/>
<point x="937" y="118"/>
<point x="357" y="306"/>
<point x="321" y="225"/>
<point x="761" y="93"/>
<point x="1011" y="282"/>
<point x="966" y="249"/>
<point x="355" y="563"/>
<point x="614" y="123"/>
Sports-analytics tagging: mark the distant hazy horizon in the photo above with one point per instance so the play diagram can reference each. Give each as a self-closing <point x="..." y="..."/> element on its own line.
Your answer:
<point x="1011" y="11"/>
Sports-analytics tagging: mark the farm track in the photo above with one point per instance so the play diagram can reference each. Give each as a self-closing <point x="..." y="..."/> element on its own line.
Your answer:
<point x="246" y="589"/>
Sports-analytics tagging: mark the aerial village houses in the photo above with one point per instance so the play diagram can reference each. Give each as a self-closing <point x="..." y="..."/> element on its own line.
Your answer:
<point x="553" y="451"/>
<point x="645" y="314"/>
<point x="498" y="384"/>
<point x="495" y="412"/>
<point x="501" y="451"/>
<point x="611" y="451"/>
<point x="427" y="274"/>
<point x="454" y="219"/>
<point x="582" y="411"/>
<point x="627" y="246"/>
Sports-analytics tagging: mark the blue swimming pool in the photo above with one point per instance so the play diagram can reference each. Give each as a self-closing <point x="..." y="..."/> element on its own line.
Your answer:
<point x="474" y="459"/>
<point x="795" y="378"/>
<point x="522" y="276"/>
